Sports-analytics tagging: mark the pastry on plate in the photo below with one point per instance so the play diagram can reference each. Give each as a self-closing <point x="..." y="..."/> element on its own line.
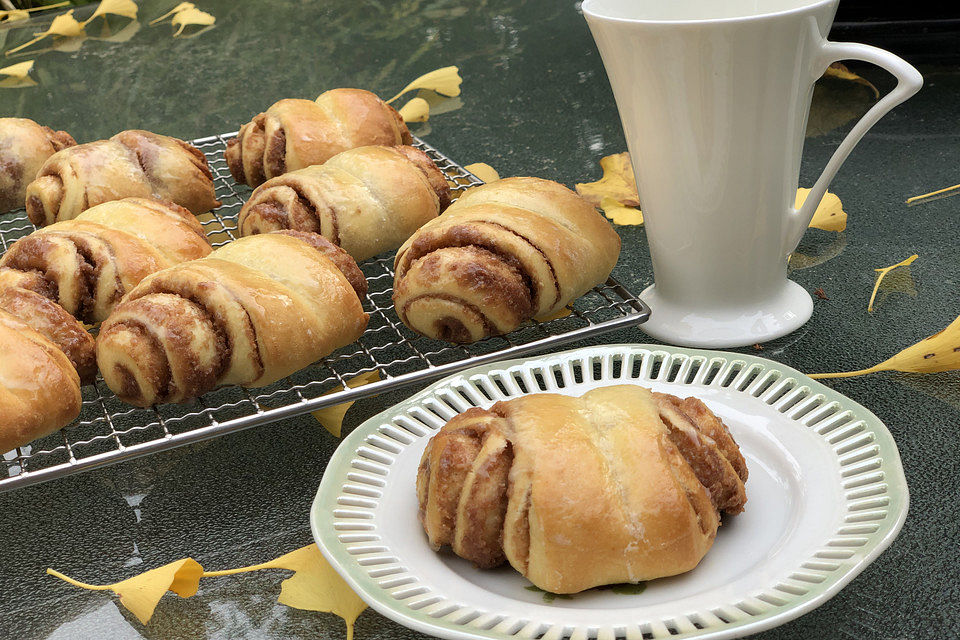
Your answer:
<point x="619" y="485"/>
<point x="295" y="133"/>
<point x="503" y="253"/>
<point x="365" y="200"/>
<point x="24" y="147"/>
<point x="252" y="312"/>
<point x="131" y="164"/>
<point x="90" y="262"/>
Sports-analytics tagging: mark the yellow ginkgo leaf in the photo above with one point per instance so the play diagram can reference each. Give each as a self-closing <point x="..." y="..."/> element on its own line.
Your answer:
<point x="314" y="586"/>
<point x="191" y="17"/>
<point x="18" y="71"/>
<point x="64" y="25"/>
<point x="882" y="273"/>
<point x="840" y="71"/>
<point x="14" y="14"/>
<point x="618" y="182"/>
<point x="829" y="215"/>
<point x="183" y="6"/>
<point x="417" y="110"/>
<point x="939" y="352"/>
<point x="125" y="8"/>
<point x="483" y="171"/>
<point x="619" y="213"/>
<point x="445" y="81"/>
<point x="332" y="417"/>
<point x="141" y="594"/>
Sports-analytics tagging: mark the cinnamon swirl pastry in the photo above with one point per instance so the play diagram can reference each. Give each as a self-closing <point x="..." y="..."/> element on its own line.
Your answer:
<point x="366" y="200"/>
<point x="93" y="260"/>
<point x="130" y="164"/>
<point x="24" y="147"/>
<point x="503" y="253"/>
<point x="580" y="492"/>
<point x="252" y="312"/>
<point x="294" y="133"/>
<point x="39" y="388"/>
<point x="31" y="298"/>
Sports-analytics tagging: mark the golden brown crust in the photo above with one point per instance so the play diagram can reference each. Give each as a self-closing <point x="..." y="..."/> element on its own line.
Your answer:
<point x="131" y="164"/>
<point x="24" y="147"/>
<point x="555" y="242"/>
<point x="39" y="388"/>
<point x="366" y="200"/>
<point x="252" y="312"/>
<point x="294" y="133"/>
<point x="96" y="258"/>
<point x="573" y="492"/>
<point x="347" y="265"/>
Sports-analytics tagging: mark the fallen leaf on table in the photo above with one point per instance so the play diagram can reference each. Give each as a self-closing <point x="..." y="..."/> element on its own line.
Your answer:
<point x="829" y="215"/>
<point x="840" y="71"/>
<point x="882" y="273"/>
<point x="618" y="182"/>
<point x="123" y="35"/>
<point x="17" y="75"/>
<point x="141" y="594"/>
<point x="417" y="110"/>
<point x="14" y="14"/>
<point x="191" y="17"/>
<point x="839" y="97"/>
<point x="64" y="25"/>
<point x="125" y="8"/>
<point x="939" y="352"/>
<point x="619" y="213"/>
<point x="183" y="6"/>
<point x="445" y="81"/>
<point x="314" y="586"/>
<point x="332" y="417"/>
<point x="483" y="171"/>
<point x="10" y="15"/>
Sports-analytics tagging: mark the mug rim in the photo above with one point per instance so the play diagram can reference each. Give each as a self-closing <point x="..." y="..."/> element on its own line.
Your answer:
<point x="585" y="7"/>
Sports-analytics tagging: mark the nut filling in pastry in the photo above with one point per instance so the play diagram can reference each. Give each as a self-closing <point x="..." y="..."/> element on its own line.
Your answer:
<point x="618" y="485"/>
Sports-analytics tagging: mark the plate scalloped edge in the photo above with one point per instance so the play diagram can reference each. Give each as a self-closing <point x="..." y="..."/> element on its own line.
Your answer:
<point x="871" y="475"/>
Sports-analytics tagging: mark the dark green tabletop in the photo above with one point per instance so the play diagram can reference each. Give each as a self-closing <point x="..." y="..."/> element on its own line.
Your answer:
<point x="535" y="102"/>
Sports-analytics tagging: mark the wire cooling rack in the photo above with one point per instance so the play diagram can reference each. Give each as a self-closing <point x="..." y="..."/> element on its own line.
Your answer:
<point x="108" y="431"/>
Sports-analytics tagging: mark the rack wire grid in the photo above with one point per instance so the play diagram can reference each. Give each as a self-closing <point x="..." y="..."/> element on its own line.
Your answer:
<point x="109" y="431"/>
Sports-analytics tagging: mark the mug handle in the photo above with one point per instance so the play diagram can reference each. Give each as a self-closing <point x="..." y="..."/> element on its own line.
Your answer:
<point x="909" y="82"/>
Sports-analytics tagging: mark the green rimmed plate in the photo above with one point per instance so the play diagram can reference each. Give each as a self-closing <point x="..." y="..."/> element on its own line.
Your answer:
<point x="826" y="494"/>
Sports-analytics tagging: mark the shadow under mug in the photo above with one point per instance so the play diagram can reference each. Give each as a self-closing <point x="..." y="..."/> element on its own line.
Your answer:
<point x="714" y="99"/>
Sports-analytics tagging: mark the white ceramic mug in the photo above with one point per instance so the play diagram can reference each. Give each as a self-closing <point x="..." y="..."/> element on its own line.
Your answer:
<point x="714" y="97"/>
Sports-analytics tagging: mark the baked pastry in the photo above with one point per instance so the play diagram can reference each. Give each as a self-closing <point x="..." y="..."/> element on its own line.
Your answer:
<point x="96" y="258"/>
<point x="252" y="312"/>
<point x="580" y="492"/>
<point x="131" y="164"/>
<point x="39" y="388"/>
<point x="365" y="200"/>
<point x="294" y="133"/>
<point x="31" y="298"/>
<point x="24" y="147"/>
<point x="503" y="253"/>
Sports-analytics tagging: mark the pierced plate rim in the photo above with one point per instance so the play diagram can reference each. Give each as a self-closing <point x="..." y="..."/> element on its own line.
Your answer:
<point x="380" y="598"/>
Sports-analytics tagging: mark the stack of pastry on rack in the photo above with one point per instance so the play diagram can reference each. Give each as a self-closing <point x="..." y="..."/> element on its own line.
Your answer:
<point x="336" y="182"/>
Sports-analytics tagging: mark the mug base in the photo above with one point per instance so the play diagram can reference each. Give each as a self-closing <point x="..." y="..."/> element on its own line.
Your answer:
<point x="730" y="326"/>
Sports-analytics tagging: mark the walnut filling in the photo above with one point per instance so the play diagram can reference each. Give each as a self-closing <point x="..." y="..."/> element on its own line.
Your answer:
<point x="451" y="326"/>
<point x="234" y="158"/>
<point x="159" y="376"/>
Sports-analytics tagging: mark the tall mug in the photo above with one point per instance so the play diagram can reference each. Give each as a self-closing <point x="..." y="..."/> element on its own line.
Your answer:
<point x="714" y="97"/>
